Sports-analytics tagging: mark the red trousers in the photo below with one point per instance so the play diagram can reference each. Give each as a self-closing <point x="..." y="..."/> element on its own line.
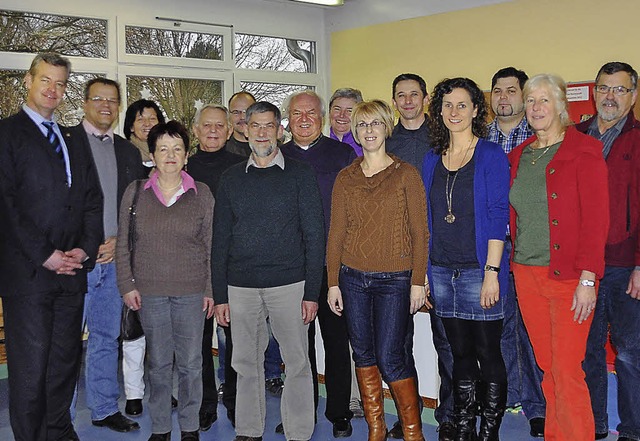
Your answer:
<point x="559" y="344"/>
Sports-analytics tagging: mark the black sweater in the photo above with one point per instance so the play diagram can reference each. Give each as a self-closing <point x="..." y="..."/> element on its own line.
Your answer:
<point x="208" y="167"/>
<point x="268" y="229"/>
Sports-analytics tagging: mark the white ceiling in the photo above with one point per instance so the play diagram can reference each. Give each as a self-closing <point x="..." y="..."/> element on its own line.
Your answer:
<point x="358" y="13"/>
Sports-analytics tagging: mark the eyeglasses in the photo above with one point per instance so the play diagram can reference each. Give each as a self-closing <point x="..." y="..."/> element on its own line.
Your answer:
<point x="268" y="127"/>
<point x="373" y="124"/>
<point x="616" y="90"/>
<point x="100" y="99"/>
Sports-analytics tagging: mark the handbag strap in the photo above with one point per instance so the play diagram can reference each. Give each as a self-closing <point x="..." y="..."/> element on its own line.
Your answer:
<point x="132" y="222"/>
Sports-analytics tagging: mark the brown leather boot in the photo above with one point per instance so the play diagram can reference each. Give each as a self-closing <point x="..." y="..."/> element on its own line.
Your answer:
<point x="405" y="394"/>
<point x="370" y="384"/>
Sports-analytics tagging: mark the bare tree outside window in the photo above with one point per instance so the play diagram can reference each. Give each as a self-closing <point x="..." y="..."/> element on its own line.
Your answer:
<point x="275" y="93"/>
<point x="179" y="98"/>
<point x="166" y="43"/>
<point x="272" y="53"/>
<point x="32" y="33"/>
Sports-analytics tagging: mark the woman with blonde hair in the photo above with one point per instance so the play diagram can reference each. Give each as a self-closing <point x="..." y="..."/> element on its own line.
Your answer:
<point x="376" y="263"/>
<point x="559" y="225"/>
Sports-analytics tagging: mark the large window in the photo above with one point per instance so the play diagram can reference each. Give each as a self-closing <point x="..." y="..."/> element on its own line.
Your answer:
<point x="32" y="33"/>
<point x="179" y="98"/>
<point x="270" y="53"/>
<point x="168" y="43"/>
<point x="182" y="66"/>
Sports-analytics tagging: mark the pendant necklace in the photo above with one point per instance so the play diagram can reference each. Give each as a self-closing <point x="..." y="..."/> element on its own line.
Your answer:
<point x="450" y="217"/>
<point x="534" y="160"/>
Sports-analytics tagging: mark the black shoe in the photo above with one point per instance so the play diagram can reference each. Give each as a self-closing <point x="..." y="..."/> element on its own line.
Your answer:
<point x="447" y="432"/>
<point x="280" y="429"/>
<point x="602" y="435"/>
<point x="133" y="407"/>
<point x="117" y="422"/>
<point x="537" y="427"/>
<point x="207" y="418"/>
<point x="342" y="428"/>
<point x="274" y="386"/>
<point x="190" y="436"/>
<point x="247" y="438"/>
<point x="624" y="438"/>
<point x="396" y="431"/>
<point x="174" y="402"/>
<point x="160" y="437"/>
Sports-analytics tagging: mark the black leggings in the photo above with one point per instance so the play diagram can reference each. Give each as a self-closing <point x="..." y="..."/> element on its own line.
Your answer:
<point x="476" y="349"/>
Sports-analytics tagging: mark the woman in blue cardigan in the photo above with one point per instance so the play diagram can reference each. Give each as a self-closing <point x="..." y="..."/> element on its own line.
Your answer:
<point x="467" y="187"/>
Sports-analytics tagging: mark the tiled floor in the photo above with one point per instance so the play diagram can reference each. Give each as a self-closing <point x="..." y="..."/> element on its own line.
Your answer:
<point x="514" y="427"/>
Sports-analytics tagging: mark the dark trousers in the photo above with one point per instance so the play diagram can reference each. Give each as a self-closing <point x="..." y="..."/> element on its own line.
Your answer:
<point x="476" y="343"/>
<point x="337" y="366"/>
<point x="209" y="389"/>
<point x="43" y="342"/>
<point x="444" y="411"/>
<point x="231" y="376"/>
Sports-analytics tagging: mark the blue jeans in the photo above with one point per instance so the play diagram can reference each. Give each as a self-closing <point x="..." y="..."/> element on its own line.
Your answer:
<point x="376" y="306"/>
<point x="615" y="308"/>
<point x="524" y="377"/>
<point x="103" y="314"/>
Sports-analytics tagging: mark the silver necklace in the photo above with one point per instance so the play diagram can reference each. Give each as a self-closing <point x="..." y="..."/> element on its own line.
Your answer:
<point x="448" y="192"/>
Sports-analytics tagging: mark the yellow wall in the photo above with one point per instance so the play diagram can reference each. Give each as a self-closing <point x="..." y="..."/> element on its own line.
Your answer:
<point x="572" y="38"/>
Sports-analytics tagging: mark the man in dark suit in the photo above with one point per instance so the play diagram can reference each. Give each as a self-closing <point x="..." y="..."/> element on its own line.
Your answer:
<point x="118" y="163"/>
<point x="50" y="231"/>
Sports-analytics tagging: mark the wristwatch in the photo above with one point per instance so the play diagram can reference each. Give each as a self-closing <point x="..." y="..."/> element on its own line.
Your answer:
<point x="585" y="282"/>
<point x="495" y="269"/>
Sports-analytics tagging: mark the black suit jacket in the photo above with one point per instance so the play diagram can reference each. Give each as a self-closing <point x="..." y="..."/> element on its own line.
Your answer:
<point x="128" y="160"/>
<point x="39" y="213"/>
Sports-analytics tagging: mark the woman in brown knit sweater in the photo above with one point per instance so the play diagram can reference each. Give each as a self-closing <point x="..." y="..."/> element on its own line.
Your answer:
<point x="168" y="278"/>
<point x="376" y="264"/>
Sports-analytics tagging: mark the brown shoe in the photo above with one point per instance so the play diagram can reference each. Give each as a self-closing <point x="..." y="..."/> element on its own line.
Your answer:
<point x="370" y="384"/>
<point x="405" y="395"/>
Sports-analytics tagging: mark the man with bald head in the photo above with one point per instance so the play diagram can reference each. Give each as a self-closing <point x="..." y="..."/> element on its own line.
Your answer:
<point x="327" y="156"/>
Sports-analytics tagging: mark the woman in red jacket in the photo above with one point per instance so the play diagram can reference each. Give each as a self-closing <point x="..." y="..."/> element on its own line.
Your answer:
<point x="559" y="218"/>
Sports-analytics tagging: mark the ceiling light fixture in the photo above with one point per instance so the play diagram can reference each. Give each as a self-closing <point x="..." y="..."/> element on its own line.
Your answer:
<point x="323" y="2"/>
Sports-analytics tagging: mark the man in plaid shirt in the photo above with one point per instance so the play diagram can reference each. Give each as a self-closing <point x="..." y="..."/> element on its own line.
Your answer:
<point x="510" y="127"/>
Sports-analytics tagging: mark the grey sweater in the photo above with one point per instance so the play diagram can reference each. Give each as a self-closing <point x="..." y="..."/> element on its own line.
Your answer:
<point x="173" y="244"/>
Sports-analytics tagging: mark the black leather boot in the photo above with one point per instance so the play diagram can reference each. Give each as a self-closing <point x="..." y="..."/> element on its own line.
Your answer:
<point x="464" y="410"/>
<point x="494" y="402"/>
